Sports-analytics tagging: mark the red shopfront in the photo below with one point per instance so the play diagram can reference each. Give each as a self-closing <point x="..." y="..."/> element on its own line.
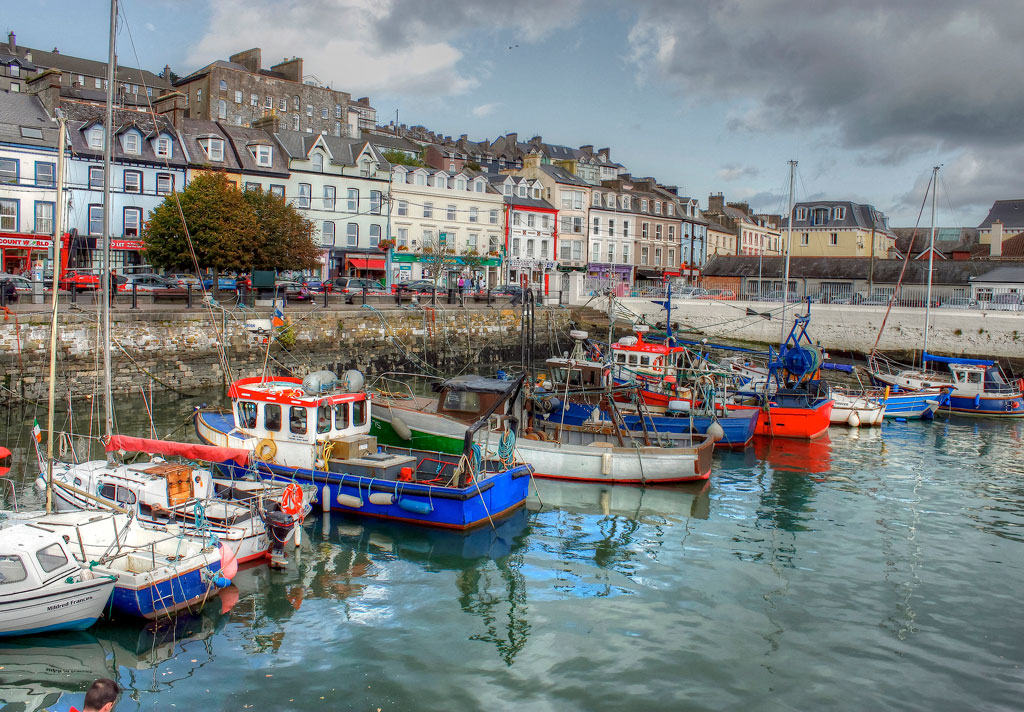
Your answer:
<point x="18" y="252"/>
<point x="80" y="252"/>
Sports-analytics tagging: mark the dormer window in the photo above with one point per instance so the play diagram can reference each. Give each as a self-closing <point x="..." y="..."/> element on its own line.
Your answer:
<point x="478" y="186"/>
<point x="596" y="202"/>
<point x="670" y="209"/>
<point x="838" y="213"/>
<point x="318" y="162"/>
<point x="440" y="181"/>
<point x="625" y="202"/>
<point x="162" y="147"/>
<point x="460" y="184"/>
<point x="536" y="192"/>
<point x="819" y="216"/>
<point x="643" y="205"/>
<point x="801" y="213"/>
<point x="132" y="144"/>
<point x="657" y="207"/>
<point x="95" y="137"/>
<point x="610" y="200"/>
<point x="214" y="148"/>
<point x="264" y="156"/>
<point x="522" y="190"/>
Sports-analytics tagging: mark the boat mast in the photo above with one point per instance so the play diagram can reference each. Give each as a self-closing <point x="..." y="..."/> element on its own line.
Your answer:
<point x="57" y="232"/>
<point x="789" y="242"/>
<point x="931" y="261"/>
<point x="108" y="401"/>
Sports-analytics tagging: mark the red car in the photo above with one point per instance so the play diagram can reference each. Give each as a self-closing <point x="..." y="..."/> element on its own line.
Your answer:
<point x="80" y="280"/>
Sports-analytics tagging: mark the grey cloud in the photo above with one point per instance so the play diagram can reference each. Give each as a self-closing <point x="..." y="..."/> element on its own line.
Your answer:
<point x="734" y="171"/>
<point x="881" y="74"/>
<point x="968" y="183"/>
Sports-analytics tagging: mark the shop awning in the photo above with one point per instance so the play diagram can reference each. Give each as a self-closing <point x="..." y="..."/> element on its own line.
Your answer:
<point x="649" y="274"/>
<point x="368" y="263"/>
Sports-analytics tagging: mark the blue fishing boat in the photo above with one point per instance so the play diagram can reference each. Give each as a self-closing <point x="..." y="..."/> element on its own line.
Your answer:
<point x="316" y="431"/>
<point x="974" y="386"/>
<point x="572" y="391"/>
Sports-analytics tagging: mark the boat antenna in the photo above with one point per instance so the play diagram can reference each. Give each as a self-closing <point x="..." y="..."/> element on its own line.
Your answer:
<point x="789" y="242"/>
<point x="57" y="231"/>
<point x="108" y="400"/>
<point x="931" y="262"/>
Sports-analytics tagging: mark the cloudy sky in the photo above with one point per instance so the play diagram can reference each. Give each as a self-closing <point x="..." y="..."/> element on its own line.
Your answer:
<point x="713" y="95"/>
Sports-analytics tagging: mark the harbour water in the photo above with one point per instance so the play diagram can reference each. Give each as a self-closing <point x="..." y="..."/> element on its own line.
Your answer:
<point x="874" y="569"/>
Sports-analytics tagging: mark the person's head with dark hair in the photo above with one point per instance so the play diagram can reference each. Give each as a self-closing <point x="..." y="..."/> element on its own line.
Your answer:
<point x="101" y="696"/>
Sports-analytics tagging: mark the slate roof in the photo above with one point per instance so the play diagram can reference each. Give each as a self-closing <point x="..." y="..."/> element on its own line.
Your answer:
<point x="517" y="202"/>
<point x="563" y="176"/>
<point x="242" y="137"/>
<point x="1005" y="273"/>
<point x="956" y="272"/>
<point x="383" y="142"/>
<point x="194" y="129"/>
<point x="81" y="116"/>
<point x="344" y="151"/>
<point x="1010" y="212"/>
<point x="856" y="215"/>
<point x="224" y="64"/>
<point x="18" y="110"/>
<point x="947" y="240"/>
<point x="79" y="65"/>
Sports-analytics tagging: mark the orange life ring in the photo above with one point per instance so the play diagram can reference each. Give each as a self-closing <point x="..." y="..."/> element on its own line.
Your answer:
<point x="295" y="393"/>
<point x="291" y="499"/>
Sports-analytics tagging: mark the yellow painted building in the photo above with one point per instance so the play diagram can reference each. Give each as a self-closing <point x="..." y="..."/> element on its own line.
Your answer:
<point x="838" y="228"/>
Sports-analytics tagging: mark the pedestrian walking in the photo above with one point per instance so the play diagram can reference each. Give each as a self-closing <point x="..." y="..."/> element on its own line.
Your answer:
<point x="112" y="288"/>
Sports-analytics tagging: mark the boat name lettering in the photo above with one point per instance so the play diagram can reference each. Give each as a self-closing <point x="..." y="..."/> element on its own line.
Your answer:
<point x="77" y="601"/>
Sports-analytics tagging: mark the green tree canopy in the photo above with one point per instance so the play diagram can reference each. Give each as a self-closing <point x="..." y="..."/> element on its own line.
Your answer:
<point x="230" y="229"/>
<point x="400" y="158"/>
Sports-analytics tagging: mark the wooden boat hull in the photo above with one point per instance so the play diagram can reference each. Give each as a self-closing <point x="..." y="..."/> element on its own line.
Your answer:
<point x="414" y="501"/>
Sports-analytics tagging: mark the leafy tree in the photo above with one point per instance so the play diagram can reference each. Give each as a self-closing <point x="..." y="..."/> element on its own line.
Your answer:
<point x="230" y="230"/>
<point x="219" y="220"/>
<point x="400" y="158"/>
<point x="286" y="238"/>
<point x="439" y="259"/>
<point x="473" y="165"/>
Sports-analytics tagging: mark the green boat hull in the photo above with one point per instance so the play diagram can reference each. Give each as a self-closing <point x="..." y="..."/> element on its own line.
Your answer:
<point x="386" y="435"/>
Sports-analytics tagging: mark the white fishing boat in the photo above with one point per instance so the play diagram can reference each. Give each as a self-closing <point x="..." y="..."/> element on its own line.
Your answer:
<point x="159" y="492"/>
<point x="154" y="573"/>
<point x="596" y="452"/>
<point x="42" y="587"/>
<point x="854" y="407"/>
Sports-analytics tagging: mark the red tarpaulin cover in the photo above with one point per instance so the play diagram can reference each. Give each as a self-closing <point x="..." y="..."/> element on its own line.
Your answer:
<point x="209" y="453"/>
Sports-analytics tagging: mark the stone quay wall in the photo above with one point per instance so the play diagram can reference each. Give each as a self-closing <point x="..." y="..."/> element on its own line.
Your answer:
<point x="848" y="328"/>
<point x="179" y="352"/>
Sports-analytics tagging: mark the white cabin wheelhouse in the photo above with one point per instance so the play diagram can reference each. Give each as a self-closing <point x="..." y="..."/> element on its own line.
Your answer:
<point x="290" y="425"/>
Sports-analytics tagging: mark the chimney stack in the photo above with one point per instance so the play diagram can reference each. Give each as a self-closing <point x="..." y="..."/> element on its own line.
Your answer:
<point x="532" y="159"/>
<point x="12" y="40"/>
<point x="290" y="69"/>
<point x="251" y="59"/>
<point x="47" y="87"/>
<point x="171" y="105"/>
<point x="716" y="203"/>
<point x="271" y="123"/>
<point x="996" y="248"/>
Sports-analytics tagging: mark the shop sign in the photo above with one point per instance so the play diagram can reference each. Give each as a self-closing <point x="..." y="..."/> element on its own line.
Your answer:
<point x="127" y="245"/>
<point x="31" y="243"/>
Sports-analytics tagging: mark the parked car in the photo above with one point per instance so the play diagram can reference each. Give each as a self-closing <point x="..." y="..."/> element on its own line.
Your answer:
<point x="225" y="282"/>
<point x="183" y="279"/>
<point x="312" y="284"/>
<point x="791" y="297"/>
<point x="143" y="283"/>
<point x="1009" y="301"/>
<point x="878" y="299"/>
<point x="416" y="286"/>
<point x="833" y="298"/>
<point x="22" y="284"/>
<point x="959" y="303"/>
<point x="293" y="290"/>
<point x="81" y="280"/>
<point x="691" y="293"/>
<point x="351" y="285"/>
<point x="718" y="294"/>
<point x="510" y="290"/>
